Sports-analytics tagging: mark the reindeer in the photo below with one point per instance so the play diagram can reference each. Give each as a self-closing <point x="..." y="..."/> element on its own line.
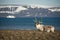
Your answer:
<point x="42" y="27"/>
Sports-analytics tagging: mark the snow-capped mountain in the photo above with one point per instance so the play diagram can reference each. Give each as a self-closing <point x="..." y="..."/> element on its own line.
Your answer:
<point x="53" y="9"/>
<point x="29" y="11"/>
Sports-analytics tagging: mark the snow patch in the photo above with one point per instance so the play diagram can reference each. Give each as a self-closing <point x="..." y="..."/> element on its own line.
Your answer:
<point x="20" y="9"/>
<point x="53" y="10"/>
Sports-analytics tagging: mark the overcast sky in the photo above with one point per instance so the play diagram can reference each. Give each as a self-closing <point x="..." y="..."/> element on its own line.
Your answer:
<point x="37" y="2"/>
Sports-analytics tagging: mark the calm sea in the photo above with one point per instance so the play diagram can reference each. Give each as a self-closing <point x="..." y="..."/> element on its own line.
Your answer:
<point x="27" y="23"/>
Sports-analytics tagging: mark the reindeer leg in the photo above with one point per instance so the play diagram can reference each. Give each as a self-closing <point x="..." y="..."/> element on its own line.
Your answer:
<point x="52" y="29"/>
<point x="48" y="30"/>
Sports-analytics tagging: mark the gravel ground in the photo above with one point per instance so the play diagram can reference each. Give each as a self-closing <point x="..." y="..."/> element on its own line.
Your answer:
<point x="28" y="35"/>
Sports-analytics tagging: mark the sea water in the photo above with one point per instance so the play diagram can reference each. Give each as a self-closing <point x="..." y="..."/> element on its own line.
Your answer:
<point x="27" y="23"/>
